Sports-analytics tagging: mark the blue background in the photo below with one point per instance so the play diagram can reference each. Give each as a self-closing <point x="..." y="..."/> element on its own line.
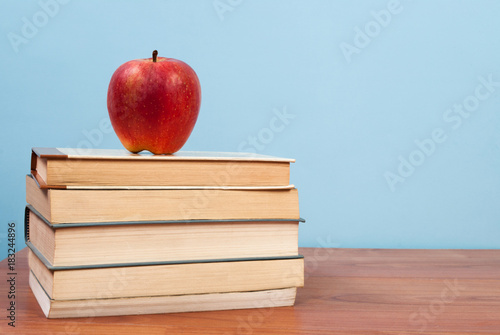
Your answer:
<point x="361" y="83"/>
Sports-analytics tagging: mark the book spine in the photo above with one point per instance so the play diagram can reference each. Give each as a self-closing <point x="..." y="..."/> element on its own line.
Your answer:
<point x="26" y="224"/>
<point x="33" y="161"/>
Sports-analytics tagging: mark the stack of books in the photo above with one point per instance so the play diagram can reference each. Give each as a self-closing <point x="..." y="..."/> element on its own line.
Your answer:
<point x="115" y="233"/>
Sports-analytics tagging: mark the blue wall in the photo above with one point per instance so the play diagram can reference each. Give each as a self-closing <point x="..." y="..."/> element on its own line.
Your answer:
<point x="391" y="108"/>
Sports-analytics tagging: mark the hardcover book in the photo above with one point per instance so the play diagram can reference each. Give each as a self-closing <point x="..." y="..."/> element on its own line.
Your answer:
<point x="98" y="244"/>
<point x="79" y="206"/>
<point x="169" y="279"/>
<point x="109" y="168"/>
<point x="159" y="304"/>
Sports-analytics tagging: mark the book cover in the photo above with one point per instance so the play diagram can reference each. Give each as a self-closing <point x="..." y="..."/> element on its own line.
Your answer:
<point x="64" y="205"/>
<point x="169" y="279"/>
<point x="159" y="304"/>
<point x="121" y="243"/>
<point x="115" y="168"/>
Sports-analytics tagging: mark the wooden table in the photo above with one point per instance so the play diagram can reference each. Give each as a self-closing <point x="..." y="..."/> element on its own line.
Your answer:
<point x="347" y="291"/>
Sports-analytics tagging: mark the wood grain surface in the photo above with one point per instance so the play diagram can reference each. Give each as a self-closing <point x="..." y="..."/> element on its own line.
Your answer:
<point x="347" y="291"/>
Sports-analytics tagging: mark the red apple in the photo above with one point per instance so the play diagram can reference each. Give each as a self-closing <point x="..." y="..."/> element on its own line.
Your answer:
<point x="154" y="103"/>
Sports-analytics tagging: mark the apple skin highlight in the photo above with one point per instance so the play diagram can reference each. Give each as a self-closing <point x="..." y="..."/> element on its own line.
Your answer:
<point x="153" y="104"/>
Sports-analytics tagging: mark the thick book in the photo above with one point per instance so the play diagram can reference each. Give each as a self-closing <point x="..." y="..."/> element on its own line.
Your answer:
<point x="79" y="206"/>
<point x="169" y="279"/>
<point x="97" y="244"/>
<point x="159" y="304"/>
<point x="110" y="168"/>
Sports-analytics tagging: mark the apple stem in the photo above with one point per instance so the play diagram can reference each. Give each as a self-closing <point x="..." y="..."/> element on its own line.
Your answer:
<point x="155" y="54"/>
